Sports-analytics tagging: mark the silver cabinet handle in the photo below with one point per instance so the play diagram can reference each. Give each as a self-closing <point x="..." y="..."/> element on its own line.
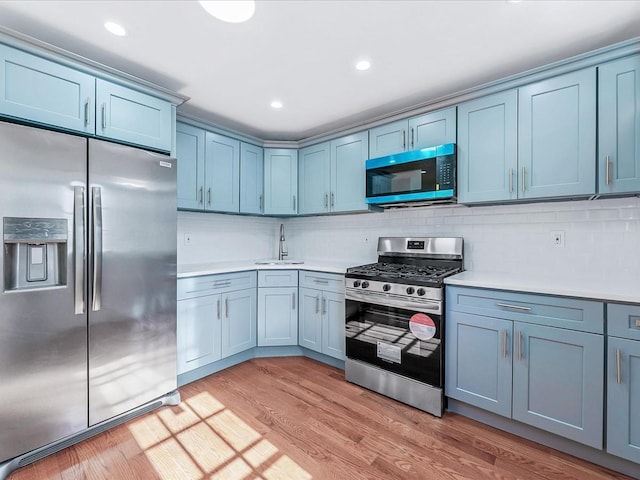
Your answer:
<point x="519" y="345"/>
<point x="78" y="249"/>
<point x="404" y="139"/>
<point x="317" y="303"/>
<point x="511" y="180"/>
<point x="618" y="366"/>
<point x="260" y="207"/>
<point x="87" y="112"/>
<point x="218" y="309"/>
<point x="504" y="343"/>
<point x="209" y="196"/>
<point x="293" y="301"/>
<point x="326" y="201"/>
<point x="638" y="323"/>
<point x="524" y="172"/>
<point x="412" y="143"/>
<point x="96" y="290"/>
<point x="324" y="305"/>
<point x="294" y="203"/>
<point x="607" y="178"/>
<point x="225" y="283"/>
<point x="515" y="307"/>
<point x="333" y="199"/>
<point x="226" y="307"/>
<point x="104" y="116"/>
<point x="321" y="281"/>
<point x="201" y="194"/>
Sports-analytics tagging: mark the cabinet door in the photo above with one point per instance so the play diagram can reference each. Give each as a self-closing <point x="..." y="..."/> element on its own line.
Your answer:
<point x="487" y="148"/>
<point x="133" y="117"/>
<point x="333" y="327"/>
<point x="348" y="178"/>
<point x="251" y="178"/>
<point x="190" y="164"/>
<point x="238" y="321"/>
<point x="45" y="92"/>
<point x="198" y="332"/>
<point x="619" y="126"/>
<point x="557" y="136"/>
<point x="623" y="398"/>
<point x="433" y="128"/>
<point x="222" y="173"/>
<point x="280" y="181"/>
<point x="479" y="361"/>
<point x="310" y="319"/>
<point x="277" y="316"/>
<point x="388" y="139"/>
<point x="314" y="179"/>
<point x="558" y="381"/>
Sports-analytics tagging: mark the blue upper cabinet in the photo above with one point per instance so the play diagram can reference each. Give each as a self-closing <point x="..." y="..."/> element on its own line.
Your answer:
<point x="314" y="179"/>
<point x="557" y="136"/>
<point x="45" y="92"/>
<point x="280" y="181"/>
<point x="133" y="117"/>
<point x="488" y="148"/>
<point x="348" y="157"/>
<point x="433" y="128"/>
<point x="251" y="179"/>
<point x="190" y="162"/>
<point x="222" y="173"/>
<point x="619" y="126"/>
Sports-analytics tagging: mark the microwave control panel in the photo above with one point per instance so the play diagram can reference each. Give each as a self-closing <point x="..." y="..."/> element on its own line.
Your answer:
<point x="445" y="172"/>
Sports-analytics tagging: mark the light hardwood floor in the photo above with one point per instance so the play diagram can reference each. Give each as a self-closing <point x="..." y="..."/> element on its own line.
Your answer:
<point x="294" y="418"/>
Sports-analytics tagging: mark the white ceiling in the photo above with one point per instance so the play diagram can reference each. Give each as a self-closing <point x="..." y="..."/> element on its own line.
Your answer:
<point x="303" y="52"/>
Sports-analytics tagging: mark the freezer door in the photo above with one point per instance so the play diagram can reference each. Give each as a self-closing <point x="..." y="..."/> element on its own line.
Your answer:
<point x="132" y="279"/>
<point x="43" y="342"/>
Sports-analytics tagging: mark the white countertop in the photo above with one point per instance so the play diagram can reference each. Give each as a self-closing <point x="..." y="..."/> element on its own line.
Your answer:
<point x="590" y="288"/>
<point x="197" y="269"/>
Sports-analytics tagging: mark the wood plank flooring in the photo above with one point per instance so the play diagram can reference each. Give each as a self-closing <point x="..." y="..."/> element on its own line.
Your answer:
<point x="296" y="419"/>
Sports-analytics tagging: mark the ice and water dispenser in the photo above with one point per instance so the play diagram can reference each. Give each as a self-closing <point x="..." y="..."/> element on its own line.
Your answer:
<point x="35" y="252"/>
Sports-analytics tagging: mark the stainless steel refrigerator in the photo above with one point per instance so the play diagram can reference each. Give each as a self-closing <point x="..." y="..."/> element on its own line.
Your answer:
<point x="88" y="293"/>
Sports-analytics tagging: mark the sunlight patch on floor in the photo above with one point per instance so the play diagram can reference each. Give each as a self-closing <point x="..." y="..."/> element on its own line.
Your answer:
<point x="201" y="439"/>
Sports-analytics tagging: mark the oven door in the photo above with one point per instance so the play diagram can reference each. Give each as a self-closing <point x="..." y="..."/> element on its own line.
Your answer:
<point x="388" y="332"/>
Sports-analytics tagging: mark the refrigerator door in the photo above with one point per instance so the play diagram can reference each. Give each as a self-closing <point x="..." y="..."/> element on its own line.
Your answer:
<point x="132" y="279"/>
<point x="43" y="328"/>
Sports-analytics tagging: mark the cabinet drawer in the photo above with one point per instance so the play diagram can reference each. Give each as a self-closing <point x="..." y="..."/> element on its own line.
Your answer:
<point x="211" y="284"/>
<point x="277" y="278"/>
<point x="623" y="321"/>
<point x="574" y="314"/>
<point x="330" y="282"/>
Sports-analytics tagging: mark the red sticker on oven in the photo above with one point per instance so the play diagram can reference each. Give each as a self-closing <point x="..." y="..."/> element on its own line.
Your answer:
<point x="422" y="326"/>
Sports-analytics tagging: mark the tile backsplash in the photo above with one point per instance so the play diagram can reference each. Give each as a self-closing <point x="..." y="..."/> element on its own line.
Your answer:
<point x="601" y="237"/>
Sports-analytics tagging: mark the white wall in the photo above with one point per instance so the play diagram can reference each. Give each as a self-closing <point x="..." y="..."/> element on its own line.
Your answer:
<point x="602" y="237"/>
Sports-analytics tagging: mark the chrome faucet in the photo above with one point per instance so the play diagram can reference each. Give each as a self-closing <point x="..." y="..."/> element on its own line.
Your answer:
<point x="282" y="251"/>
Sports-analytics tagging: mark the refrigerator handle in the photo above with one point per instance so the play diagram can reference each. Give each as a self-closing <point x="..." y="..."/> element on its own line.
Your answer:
<point x="97" y="248"/>
<point x="79" y="249"/>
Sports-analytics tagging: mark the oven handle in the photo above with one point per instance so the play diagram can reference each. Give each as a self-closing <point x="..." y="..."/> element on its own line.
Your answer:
<point x="388" y="300"/>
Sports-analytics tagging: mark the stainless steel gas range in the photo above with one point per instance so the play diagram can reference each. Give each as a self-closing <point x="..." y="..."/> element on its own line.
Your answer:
<point x="395" y="319"/>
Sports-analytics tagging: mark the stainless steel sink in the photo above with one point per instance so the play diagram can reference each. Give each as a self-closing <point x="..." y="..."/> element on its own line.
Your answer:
<point x="279" y="262"/>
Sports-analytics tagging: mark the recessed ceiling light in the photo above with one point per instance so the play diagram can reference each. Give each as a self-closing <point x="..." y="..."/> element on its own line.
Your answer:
<point x="115" y="28"/>
<point x="276" y="104"/>
<point x="237" y="11"/>
<point x="363" y="65"/>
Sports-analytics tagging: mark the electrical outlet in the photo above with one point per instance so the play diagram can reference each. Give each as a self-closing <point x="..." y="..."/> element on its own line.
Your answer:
<point x="187" y="239"/>
<point x="557" y="239"/>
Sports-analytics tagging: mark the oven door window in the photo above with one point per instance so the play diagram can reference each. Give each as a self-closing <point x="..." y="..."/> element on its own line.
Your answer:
<point x="410" y="177"/>
<point x="381" y="335"/>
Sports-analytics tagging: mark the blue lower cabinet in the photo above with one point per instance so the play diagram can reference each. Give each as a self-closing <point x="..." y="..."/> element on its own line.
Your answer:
<point x="198" y="332"/>
<point x="479" y="361"/>
<point x="321" y="323"/>
<point x="558" y="382"/>
<point x="277" y="316"/>
<point x="238" y="312"/>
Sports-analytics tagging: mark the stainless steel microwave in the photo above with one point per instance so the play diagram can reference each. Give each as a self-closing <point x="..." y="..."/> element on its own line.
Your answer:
<point x="425" y="175"/>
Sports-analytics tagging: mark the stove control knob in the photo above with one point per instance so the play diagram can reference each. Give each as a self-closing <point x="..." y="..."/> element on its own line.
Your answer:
<point x="386" y="287"/>
<point x="410" y="290"/>
<point x="421" y="291"/>
<point x="365" y="284"/>
<point x="356" y="283"/>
